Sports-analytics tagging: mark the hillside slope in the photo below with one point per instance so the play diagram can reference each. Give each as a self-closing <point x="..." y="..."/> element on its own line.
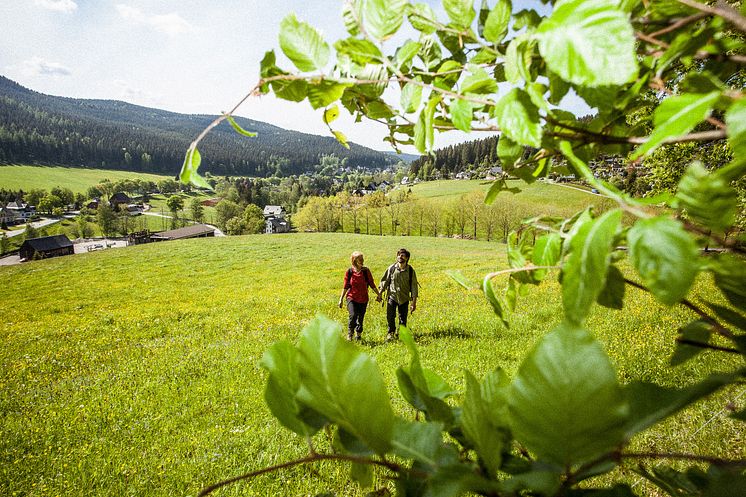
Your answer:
<point x="108" y="134"/>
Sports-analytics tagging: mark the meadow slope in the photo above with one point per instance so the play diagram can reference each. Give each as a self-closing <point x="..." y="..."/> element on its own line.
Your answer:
<point x="135" y="371"/>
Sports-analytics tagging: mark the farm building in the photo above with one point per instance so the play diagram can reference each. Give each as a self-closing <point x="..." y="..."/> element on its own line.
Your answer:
<point x="119" y="199"/>
<point x="193" y="231"/>
<point x="45" y="247"/>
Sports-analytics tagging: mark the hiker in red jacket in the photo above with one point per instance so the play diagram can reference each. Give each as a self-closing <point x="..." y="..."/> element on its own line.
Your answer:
<point x="357" y="280"/>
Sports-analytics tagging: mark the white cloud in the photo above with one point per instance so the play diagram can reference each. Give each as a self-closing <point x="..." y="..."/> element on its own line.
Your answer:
<point x="171" y="24"/>
<point x="36" y="66"/>
<point x="127" y="93"/>
<point x="58" y="5"/>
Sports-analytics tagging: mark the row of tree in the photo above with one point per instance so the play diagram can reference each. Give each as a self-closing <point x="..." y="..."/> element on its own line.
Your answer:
<point x="402" y="213"/>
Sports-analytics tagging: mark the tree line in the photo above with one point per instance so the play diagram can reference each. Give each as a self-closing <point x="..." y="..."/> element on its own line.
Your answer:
<point x="42" y="129"/>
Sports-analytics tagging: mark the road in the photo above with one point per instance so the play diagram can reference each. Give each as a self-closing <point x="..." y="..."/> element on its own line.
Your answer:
<point x="35" y="224"/>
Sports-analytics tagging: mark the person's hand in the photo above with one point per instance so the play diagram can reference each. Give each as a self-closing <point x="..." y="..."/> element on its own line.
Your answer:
<point x="413" y="307"/>
<point x="340" y="303"/>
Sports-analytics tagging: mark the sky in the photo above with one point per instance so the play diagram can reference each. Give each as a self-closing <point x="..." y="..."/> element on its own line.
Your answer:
<point x="187" y="56"/>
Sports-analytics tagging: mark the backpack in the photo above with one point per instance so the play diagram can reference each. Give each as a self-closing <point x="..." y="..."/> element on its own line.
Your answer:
<point x="390" y="269"/>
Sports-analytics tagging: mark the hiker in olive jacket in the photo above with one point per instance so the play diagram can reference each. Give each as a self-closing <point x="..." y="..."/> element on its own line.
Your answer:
<point x="400" y="283"/>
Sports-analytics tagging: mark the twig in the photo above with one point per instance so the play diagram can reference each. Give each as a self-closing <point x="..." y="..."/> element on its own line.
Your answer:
<point x="685" y="457"/>
<point x="306" y="460"/>
<point x="719" y="328"/>
<point x="702" y="345"/>
<point x="679" y="24"/>
<point x="722" y="9"/>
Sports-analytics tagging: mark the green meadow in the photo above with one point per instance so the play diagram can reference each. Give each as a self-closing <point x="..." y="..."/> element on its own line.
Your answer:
<point x="136" y="371"/>
<point x="25" y="177"/>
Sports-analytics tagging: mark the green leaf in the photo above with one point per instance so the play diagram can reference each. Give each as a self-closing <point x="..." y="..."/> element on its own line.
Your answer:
<point x="324" y="93"/>
<point x="488" y="434"/>
<point x="508" y="151"/>
<point x="350" y="14"/>
<point x="558" y="88"/>
<point x="406" y="53"/>
<point x="518" y="59"/>
<point x="344" y="384"/>
<point x="497" y="305"/>
<point x="418" y="441"/>
<point x="547" y="252"/>
<point x="411" y="96"/>
<point x="361" y="52"/>
<point x="729" y="316"/>
<point x="518" y="118"/>
<point x="461" y="114"/>
<point x="589" y="42"/>
<point x="281" y="361"/>
<point x="478" y="81"/>
<point x="676" y="116"/>
<point x="303" y="44"/>
<point x="651" y="403"/>
<point x="665" y="257"/>
<point x="730" y="276"/>
<point x="331" y="114"/>
<point x="697" y="331"/>
<point x="584" y="272"/>
<point x="708" y="198"/>
<point x="496" y="25"/>
<point x="565" y="403"/>
<point x="382" y="18"/>
<point x="422" y="18"/>
<point x="362" y="474"/>
<point x="341" y="138"/>
<point x="424" y="137"/>
<point x="498" y="186"/>
<point x="188" y="174"/>
<point x="294" y="91"/>
<point x="461" y="12"/>
<point x="612" y="295"/>
<point x="735" y="118"/>
<point x="461" y="279"/>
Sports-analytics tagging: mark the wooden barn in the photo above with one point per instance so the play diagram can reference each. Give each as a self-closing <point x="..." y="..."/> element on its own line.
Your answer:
<point x="46" y="246"/>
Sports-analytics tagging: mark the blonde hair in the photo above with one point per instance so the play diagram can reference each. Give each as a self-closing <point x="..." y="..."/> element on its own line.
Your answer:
<point x="356" y="259"/>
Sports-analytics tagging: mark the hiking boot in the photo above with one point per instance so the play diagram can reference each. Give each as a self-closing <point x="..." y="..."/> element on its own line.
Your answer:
<point x="349" y="336"/>
<point x="358" y="337"/>
<point x="390" y="337"/>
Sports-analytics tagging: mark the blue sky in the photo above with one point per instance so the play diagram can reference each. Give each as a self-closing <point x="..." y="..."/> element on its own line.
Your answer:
<point x="184" y="56"/>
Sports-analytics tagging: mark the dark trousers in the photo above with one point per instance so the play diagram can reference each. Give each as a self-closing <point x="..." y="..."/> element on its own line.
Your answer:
<point x="391" y="309"/>
<point x="357" y="314"/>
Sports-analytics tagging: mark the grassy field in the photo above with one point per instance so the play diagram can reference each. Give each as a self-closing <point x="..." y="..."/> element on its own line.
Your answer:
<point x="15" y="177"/>
<point x="135" y="371"/>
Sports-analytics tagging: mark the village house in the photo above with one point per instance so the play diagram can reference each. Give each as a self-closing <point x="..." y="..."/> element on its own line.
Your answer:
<point x="274" y="219"/>
<point x="276" y="225"/>
<point x="45" y="247"/>
<point x="22" y="212"/>
<point x="274" y="211"/>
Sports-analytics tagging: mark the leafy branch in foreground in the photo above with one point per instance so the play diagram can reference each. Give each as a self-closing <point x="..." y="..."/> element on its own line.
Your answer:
<point x="657" y="73"/>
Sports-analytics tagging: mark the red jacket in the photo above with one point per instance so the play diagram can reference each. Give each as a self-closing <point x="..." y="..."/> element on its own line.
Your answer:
<point x="358" y="283"/>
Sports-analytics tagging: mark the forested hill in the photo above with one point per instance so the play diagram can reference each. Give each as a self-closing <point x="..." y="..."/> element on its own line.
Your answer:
<point x="108" y="134"/>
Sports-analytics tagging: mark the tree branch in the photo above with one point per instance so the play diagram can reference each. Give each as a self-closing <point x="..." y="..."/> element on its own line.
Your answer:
<point x="719" y="328"/>
<point x="722" y="9"/>
<point x="298" y="462"/>
<point x="702" y="345"/>
<point x="685" y="457"/>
